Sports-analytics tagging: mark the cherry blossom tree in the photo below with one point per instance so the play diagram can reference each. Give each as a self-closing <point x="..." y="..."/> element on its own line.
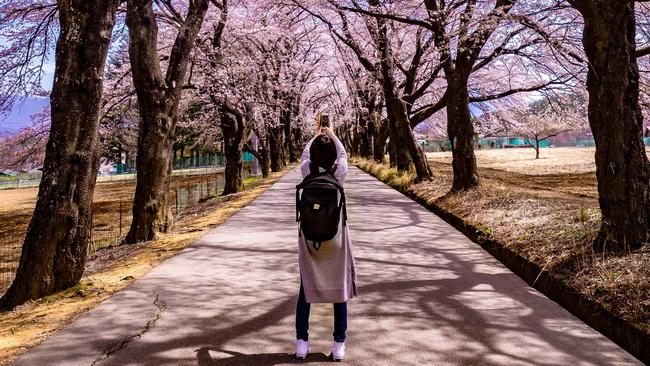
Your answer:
<point x="25" y="150"/>
<point x="261" y="71"/>
<point x="159" y="95"/>
<point x="616" y="121"/>
<point x="368" y="39"/>
<point x="222" y="100"/>
<point x="472" y="38"/>
<point x="119" y="119"/>
<point x="29" y="31"/>
<point x="537" y="120"/>
<point x="54" y="250"/>
<point x="252" y="73"/>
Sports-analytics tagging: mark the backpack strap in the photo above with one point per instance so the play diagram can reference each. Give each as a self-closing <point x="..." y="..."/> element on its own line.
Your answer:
<point x="297" y="203"/>
<point x="333" y="169"/>
<point x="345" y="209"/>
<point x="315" y="169"/>
<point x="316" y="245"/>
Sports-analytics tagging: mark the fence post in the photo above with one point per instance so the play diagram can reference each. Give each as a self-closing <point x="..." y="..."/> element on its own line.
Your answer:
<point x="92" y="228"/>
<point x="120" y="219"/>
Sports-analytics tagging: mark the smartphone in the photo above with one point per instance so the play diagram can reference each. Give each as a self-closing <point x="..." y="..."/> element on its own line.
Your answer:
<point x="325" y="121"/>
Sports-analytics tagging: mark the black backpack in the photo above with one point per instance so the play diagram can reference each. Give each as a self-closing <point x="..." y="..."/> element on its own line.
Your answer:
<point x="318" y="208"/>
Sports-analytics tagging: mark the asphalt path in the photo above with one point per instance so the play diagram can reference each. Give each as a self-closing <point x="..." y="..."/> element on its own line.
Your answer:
<point x="428" y="296"/>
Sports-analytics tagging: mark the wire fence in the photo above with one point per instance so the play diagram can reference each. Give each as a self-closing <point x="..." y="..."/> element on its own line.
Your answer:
<point x="19" y="183"/>
<point x="121" y="174"/>
<point x="111" y="220"/>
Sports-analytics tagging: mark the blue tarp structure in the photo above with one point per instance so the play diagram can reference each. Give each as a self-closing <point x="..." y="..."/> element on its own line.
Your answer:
<point x="248" y="157"/>
<point x="501" y="142"/>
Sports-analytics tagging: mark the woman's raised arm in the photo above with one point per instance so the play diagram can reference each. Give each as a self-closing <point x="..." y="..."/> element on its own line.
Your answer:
<point x="305" y="159"/>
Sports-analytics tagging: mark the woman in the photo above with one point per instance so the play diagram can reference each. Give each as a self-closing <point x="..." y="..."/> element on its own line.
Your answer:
<point x="327" y="274"/>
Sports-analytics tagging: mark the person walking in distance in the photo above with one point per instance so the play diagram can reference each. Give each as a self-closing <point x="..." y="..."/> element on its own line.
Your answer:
<point x="327" y="269"/>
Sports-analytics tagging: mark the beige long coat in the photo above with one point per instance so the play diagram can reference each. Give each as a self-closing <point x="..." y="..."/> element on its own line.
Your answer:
<point x="328" y="275"/>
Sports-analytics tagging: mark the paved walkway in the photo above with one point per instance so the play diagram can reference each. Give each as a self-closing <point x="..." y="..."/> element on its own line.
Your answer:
<point x="428" y="297"/>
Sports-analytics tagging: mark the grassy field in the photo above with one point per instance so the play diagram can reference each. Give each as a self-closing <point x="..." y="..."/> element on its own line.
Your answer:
<point x="547" y="211"/>
<point x="111" y="216"/>
<point x="558" y="160"/>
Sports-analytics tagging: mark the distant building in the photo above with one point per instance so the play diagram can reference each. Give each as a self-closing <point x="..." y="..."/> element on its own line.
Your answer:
<point x="568" y="139"/>
<point x="504" y="142"/>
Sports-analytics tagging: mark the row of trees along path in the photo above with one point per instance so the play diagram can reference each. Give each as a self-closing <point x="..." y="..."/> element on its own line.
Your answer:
<point x="250" y="76"/>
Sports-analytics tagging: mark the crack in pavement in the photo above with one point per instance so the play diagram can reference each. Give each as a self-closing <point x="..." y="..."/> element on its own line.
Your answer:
<point x="161" y="305"/>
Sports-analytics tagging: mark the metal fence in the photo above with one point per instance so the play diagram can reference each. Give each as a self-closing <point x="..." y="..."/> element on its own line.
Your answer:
<point x="111" y="221"/>
<point x="10" y="254"/>
<point x="194" y="162"/>
<point x="125" y="172"/>
<point x="19" y="183"/>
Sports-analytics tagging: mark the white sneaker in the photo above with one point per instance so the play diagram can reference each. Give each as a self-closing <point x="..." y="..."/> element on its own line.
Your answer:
<point x="338" y="351"/>
<point x="302" y="349"/>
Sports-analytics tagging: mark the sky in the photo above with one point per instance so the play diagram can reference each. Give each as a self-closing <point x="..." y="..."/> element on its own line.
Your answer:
<point x="20" y="115"/>
<point x="22" y="111"/>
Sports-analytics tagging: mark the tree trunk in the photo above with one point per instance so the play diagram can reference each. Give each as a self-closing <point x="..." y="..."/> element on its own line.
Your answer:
<point x="407" y="148"/>
<point x="287" y="149"/>
<point x="265" y="159"/>
<point x="158" y="99"/>
<point x="399" y="153"/>
<point x="372" y="123"/>
<point x="262" y="155"/>
<point x="276" y="147"/>
<point x="461" y="133"/>
<point x="234" y="137"/>
<point x="54" y="251"/>
<point x="380" y="135"/>
<point x="293" y="151"/>
<point x="537" y="142"/>
<point x="356" y="140"/>
<point x="372" y="127"/>
<point x="369" y="153"/>
<point x="365" y="147"/>
<point x="343" y="133"/>
<point x="296" y="141"/>
<point x="401" y="133"/>
<point x="392" y="153"/>
<point x="622" y="167"/>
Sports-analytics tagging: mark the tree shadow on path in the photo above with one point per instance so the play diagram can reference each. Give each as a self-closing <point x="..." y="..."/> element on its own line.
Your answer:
<point x="428" y="296"/>
<point x="261" y="359"/>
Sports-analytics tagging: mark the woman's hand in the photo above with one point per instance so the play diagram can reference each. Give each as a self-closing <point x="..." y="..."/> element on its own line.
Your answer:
<point x="329" y="130"/>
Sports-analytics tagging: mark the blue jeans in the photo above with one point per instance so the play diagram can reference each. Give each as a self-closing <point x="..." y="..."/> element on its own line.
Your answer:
<point x="302" y="318"/>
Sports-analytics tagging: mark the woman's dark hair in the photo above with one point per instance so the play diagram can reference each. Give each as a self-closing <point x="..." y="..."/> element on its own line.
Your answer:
<point x="323" y="152"/>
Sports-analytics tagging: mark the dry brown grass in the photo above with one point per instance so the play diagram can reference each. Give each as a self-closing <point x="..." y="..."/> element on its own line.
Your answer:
<point x="551" y="220"/>
<point x="112" y="269"/>
<point x="385" y="173"/>
<point x="558" y="160"/>
<point x="109" y="198"/>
